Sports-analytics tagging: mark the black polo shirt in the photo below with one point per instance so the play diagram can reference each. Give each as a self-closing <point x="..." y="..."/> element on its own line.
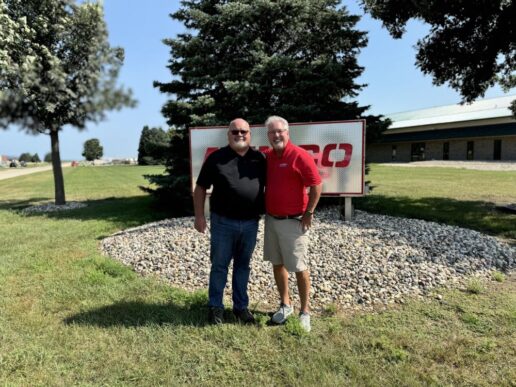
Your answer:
<point x="238" y="182"/>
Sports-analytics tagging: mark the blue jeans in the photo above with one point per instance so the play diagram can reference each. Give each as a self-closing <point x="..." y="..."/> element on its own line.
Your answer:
<point x="231" y="238"/>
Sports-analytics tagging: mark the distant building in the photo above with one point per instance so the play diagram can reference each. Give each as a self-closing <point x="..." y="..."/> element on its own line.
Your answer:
<point x="483" y="130"/>
<point x="4" y="160"/>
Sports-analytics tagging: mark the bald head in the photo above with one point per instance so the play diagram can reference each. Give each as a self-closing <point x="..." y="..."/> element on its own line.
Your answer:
<point x="239" y="135"/>
<point x="239" y="123"/>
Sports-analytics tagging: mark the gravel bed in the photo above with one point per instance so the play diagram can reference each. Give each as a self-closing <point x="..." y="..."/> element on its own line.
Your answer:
<point x="53" y="207"/>
<point x="369" y="262"/>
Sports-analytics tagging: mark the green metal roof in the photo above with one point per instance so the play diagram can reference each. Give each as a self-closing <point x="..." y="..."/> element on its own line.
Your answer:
<point x="478" y="110"/>
<point x="507" y="129"/>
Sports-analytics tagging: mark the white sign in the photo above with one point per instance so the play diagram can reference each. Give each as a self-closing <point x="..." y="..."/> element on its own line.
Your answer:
<point x="337" y="147"/>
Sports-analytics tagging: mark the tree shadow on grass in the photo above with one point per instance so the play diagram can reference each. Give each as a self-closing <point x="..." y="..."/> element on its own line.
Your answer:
<point x="124" y="212"/>
<point x="20" y="204"/>
<point x="477" y="215"/>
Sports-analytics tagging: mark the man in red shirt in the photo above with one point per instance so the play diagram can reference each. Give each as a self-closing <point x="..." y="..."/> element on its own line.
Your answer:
<point x="290" y="171"/>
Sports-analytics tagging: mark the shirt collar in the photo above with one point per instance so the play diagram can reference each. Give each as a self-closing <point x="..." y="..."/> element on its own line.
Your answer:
<point x="231" y="150"/>
<point x="286" y="151"/>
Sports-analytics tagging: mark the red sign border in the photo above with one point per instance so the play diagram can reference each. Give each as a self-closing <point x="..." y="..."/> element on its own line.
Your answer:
<point x="330" y="194"/>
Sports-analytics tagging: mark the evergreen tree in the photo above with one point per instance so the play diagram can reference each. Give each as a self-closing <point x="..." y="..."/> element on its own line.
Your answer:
<point x="153" y="147"/>
<point x="56" y="69"/>
<point x="35" y="158"/>
<point x="92" y="149"/>
<point x="48" y="157"/>
<point x="471" y="43"/>
<point x="251" y="59"/>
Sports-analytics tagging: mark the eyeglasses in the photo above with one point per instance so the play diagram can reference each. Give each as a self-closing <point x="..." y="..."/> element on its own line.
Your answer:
<point x="277" y="131"/>
<point x="241" y="132"/>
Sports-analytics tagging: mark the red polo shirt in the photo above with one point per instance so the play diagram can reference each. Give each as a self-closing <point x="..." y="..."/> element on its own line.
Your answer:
<point x="287" y="179"/>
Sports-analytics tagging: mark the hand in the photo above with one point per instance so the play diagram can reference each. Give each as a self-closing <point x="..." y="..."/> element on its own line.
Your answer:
<point x="200" y="223"/>
<point x="306" y="221"/>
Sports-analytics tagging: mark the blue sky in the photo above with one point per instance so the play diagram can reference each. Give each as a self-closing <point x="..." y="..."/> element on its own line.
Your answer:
<point x="394" y="83"/>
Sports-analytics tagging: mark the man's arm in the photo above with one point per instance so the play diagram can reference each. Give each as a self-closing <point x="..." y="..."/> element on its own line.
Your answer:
<point x="314" y="195"/>
<point x="199" y="197"/>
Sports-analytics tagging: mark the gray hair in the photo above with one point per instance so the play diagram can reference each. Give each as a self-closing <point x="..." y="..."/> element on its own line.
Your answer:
<point x="272" y="119"/>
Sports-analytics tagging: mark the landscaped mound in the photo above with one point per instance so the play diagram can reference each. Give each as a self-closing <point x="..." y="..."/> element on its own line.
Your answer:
<point x="371" y="261"/>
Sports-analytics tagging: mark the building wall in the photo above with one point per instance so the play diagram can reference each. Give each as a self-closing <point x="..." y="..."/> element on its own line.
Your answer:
<point x="458" y="149"/>
<point x="433" y="150"/>
<point x="483" y="150"/>
<point x="403" y="152"/>
<point x="509" y="148"/>
<point x="379" y="153"/>
<point x="382" y="153"/>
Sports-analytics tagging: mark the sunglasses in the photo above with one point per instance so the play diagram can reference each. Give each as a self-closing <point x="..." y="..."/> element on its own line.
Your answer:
<point x="241" y="132"/>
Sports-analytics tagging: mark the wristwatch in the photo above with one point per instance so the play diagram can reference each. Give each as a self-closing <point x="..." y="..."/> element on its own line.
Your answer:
<point x="311" y="213"/>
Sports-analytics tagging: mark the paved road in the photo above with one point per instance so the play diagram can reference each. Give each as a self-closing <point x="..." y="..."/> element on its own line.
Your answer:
<point x="14" y="172"/>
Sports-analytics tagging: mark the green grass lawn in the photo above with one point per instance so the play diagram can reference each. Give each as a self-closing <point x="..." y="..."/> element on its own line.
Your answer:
<point x="461" y="197"/>
<point x="69" y="316"/>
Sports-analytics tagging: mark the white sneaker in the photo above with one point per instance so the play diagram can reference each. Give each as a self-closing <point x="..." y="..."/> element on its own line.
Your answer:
<point x="282" y="314"/>
<point x="304" y="319"/>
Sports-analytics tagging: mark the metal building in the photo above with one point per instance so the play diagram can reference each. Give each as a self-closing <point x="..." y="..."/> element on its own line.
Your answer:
<point x="483" y="130"/>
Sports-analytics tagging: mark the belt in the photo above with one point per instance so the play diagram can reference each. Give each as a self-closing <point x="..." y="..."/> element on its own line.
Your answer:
<point x="295" y="216"/>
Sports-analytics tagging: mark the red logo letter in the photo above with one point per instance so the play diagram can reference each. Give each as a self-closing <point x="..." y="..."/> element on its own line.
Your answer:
<point x="312" y="148"/>
<point x="209" y="151"/>
<point x="348" y="150"/>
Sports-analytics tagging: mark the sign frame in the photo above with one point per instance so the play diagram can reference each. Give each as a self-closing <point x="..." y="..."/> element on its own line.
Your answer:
<point x="337" y="143"/>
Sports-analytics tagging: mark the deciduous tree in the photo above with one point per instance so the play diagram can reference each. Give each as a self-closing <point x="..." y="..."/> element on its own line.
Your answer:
<point x="56" y="68"/>
<point x="92" y="149"/>
<point x="471" y="44"/>
<point x="25" y="157"/>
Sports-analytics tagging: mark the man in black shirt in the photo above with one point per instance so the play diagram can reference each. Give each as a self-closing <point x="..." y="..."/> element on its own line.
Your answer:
<point x="237" y="174"/>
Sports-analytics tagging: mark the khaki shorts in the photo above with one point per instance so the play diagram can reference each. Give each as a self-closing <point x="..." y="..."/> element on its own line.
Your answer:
<point x="285" y="243"/>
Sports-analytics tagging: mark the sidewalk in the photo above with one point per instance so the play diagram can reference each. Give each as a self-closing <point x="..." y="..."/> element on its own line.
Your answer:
<point x="478" y="165"/>
<point x="8" y="173"/>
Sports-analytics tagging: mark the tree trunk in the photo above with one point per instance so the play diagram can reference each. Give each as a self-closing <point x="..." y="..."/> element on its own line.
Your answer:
<point x="56" y="168"/>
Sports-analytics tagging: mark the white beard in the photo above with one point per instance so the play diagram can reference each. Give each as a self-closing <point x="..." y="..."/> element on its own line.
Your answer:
<point x="240" y="145"/>
<point x="278" y="145"/>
